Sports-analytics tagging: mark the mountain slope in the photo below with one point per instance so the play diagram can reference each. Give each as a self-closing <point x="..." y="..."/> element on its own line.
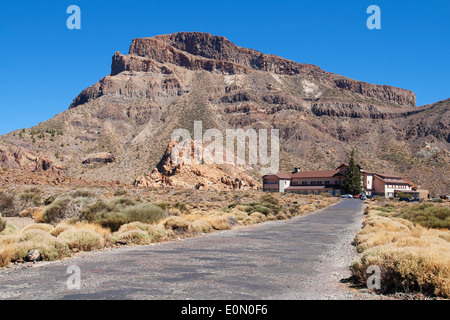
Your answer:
<point x="168" y="82"/>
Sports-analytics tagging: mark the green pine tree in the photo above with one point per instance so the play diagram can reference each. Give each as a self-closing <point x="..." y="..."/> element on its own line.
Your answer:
<point x="352" y="183"/>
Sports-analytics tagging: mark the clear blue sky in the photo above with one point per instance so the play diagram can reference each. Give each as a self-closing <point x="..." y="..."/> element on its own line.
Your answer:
<point x="44" y="65"/>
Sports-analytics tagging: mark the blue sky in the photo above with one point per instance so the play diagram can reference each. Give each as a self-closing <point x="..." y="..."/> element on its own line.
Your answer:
<point x="45" y="65"/>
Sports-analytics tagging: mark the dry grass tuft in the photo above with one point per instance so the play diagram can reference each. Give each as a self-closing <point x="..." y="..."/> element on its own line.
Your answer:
<point x="219" y="222"/>
<point x="39" y="226"/>
<point x="258" y="217"/>
<point x="411" y="258"/>
<point x="7" y="252"/>
<point x="201" y="226"/>
<point x="177" y="224"/>
<point x="82" y="239"/>
<point x="136" y="237"/>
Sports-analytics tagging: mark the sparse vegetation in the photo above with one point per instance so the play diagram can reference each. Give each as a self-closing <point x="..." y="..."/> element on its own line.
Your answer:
<point x="427" y="214"/>
<point x="410" y="245"/>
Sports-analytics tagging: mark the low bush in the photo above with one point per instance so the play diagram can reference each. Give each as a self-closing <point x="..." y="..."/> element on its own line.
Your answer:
<point x="7" y="252"/>
<point x="427" y="215"/>
<point x="117" y="212"/>
<point x="8" y="203"/>
<point x="60" y="228"/>
<point x="9" y="229"/>
<point x="268" y="198"/>
<point x="68" y="206"/>
<point x="156" y="232"/>
<point x="31" y="197"/>
<point x="144" y="212"/>
<point x="408" y="269"/>
<point x="138" y="237"/>
<point x="177" y="224"/>
<point x="39" y="226"/>
<point x="201" y="226"/>
<point x="411" y="257"/>
<point x="34" y="239"/>
<point x="219" y="223"/>
<point x="258" y="217"/>
<point x="82" y="239"/>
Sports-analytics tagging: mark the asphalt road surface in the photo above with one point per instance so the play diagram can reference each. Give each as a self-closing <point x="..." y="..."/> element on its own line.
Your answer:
<point x="302" y="258"/>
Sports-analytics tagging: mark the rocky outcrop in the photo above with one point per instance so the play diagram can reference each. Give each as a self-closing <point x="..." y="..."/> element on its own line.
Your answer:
<point x="215" y="54"/>
<point x="384" y="93"/>
<point x="356" y="110"/>
<point x="102" y="158"/>
<point x="27" y="161"/>
<point x="178" y="170"/>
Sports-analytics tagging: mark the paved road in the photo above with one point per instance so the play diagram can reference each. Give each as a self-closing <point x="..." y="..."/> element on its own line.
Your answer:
<point x="302" y="258"/>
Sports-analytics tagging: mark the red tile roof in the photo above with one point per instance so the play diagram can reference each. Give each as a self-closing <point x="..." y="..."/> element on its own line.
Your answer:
<point x="308" y="188"/>
<point x="280" y="175"/>
<point x="391" y="179"/>
<point x="316" y="174"/>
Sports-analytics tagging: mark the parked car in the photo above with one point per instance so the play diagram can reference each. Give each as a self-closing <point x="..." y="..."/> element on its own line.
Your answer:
<point x="346" y="196"/>
<point x="363" y="197"/>
<point x="404" y="199"/>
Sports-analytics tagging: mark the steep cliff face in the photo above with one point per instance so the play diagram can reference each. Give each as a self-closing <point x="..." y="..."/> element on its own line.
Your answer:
<point x="202" y="51"/>
<point x="167" y="82"/>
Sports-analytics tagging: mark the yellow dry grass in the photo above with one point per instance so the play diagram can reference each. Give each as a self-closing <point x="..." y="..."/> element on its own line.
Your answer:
<point x="411" y="258"/>
<point x="82" y="239"/>
<point x="39" y="226"/>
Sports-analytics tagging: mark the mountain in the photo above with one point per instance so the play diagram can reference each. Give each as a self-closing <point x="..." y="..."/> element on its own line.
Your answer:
<point x="119" y="128"/>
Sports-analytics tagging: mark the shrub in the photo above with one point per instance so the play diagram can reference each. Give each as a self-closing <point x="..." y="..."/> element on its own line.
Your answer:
<point x="31" y="197"/>
<point x="138" y="237"/>
<point x="120" y="211"/>
<point x="67" y="206"/>
<point x="427" y="215"/>
<point x="30" y="212"/>
<point x="8" y="203"/>
<point x="411" y="258"/>
<point x="39" y="226"/>
<point x="60" y="228"/>
<point x="97" y="228"/>
<point x="111" y="220"/>
<point x="270" y="199"/>
<point x="144" y="212"/>
<point x="258" y="217"/>
<point x="49" y="200"/>
<point x="177" y="224"/>
<point x="49" y="247"/>
<point x="120" y="192"/>
<point x="82" y="239"/>
<point x="6" y="254"/>
<point x="9" y="229"/>
<point x="182" y="207"/>
<point x="407" y="270"/>
<point x="281" y="216"/>
<point x="201" y="226"/>
<point x="219" y="223"/>
<point x="162" y="205"/>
